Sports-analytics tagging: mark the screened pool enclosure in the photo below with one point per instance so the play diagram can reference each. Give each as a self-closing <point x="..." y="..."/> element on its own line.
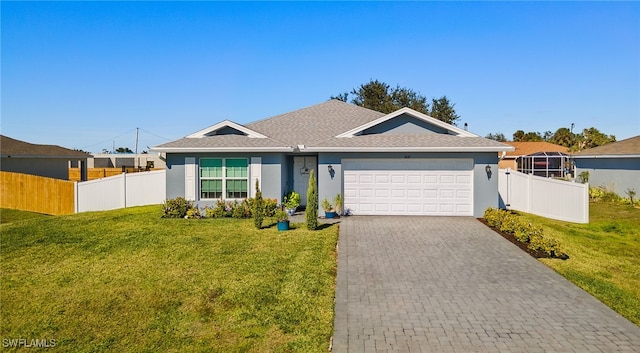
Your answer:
<point x="545" y="164"/>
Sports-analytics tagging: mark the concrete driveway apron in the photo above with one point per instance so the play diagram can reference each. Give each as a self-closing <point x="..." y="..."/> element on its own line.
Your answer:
<point x="450" y="284"/>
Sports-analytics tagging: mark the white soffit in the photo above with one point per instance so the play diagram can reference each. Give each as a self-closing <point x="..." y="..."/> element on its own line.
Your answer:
<point x="433" y="121"/>
<point x="226" y="123"/>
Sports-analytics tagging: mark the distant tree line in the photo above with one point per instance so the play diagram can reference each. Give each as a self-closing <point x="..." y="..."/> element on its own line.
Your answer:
<point x="588" y="138"/>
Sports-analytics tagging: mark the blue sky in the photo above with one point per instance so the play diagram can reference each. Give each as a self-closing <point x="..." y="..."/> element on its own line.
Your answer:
<point x="86" y="74"/>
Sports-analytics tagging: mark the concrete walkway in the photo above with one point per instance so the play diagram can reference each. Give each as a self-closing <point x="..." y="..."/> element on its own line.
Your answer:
<point x="450" y="284"/>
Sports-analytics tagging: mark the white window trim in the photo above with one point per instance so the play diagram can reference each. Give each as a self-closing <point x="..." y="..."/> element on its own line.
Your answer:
<point x="223" y="177"/>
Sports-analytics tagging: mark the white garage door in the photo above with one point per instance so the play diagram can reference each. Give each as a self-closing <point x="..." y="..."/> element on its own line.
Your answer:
<point x="442" y="187"/>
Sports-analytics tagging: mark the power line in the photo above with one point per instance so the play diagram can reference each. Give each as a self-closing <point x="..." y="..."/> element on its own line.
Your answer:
<point x="158" y="136"/>
<point x="111" y="139"/>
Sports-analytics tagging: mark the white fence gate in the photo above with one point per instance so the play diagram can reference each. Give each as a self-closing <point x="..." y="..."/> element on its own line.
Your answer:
<point x="556" y="199"/>
<point x="120" y="191"/>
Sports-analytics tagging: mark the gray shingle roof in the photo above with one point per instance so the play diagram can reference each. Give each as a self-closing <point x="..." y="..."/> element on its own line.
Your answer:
<point x="311" y="125"/>
<point x="630" y="146"/>
<point x="16" y="148"/>
<point x="225" y="141"/>
<point x="427" y="141"/>
<point x="316" y="127"/>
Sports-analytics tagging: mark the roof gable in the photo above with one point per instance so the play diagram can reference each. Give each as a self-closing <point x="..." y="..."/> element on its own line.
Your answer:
<point x="226" y="127"/>
<point x="402" y="120"/>
<point x="627" y="147"/>
<point x="315" y="123"/>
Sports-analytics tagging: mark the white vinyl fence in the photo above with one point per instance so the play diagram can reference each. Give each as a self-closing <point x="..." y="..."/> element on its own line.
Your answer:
<point x="120" y="191"/>
<point x="556" y="199"/>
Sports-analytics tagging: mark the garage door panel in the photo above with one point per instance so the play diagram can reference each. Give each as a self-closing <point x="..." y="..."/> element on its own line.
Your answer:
<point x="409" y="187"/>
<point x="382" y="193"/>
<point x="365" y="178"/>
<point x="398" y="179"/>
<point x="365" y="192"/>
<point x="430" y="179"/>
<point x="395" y="193"/>
<point x="447" y="208"/>
<point x="381" y="178"/>
<point x="463" y="179"/>
<point x="447" y="179"/>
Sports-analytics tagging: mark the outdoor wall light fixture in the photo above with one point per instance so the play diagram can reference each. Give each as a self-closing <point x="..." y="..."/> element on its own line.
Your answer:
<point x="487" y="169"/>
<point x="331" y="171"/>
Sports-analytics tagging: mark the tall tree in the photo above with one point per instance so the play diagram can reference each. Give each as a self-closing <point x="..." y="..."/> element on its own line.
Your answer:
<point x="592" y="137"/>
<point x="381" y="97"/>
<point x="521" y="136"/>
<point x="563" y="137"/>
<point x="497" y="137"/>
<point x="123" y="150"/>
<point x="442" y="109"/>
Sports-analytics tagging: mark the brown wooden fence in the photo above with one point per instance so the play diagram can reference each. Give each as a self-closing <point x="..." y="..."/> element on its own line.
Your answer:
<point x="99" y="173"/>
<point x="36" y="194"/>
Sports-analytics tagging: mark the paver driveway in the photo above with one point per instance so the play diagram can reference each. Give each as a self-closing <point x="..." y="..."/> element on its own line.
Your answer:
<point x="450" y="284"/>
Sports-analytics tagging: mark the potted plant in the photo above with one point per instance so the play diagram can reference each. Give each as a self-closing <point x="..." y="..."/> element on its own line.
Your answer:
<point x="291" y="202"/>
<point x="337" y="202"/>
<point x="329" y="211"/>
<point x="282" y="218"/>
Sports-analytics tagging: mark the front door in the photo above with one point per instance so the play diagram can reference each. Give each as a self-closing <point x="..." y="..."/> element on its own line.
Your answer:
<point x="301" y="168"/>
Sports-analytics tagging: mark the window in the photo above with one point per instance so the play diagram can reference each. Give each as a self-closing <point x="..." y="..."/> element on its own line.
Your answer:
<point x="224" y="178"/>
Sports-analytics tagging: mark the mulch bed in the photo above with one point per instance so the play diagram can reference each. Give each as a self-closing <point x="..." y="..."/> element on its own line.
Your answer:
<point x="535" y="253"/>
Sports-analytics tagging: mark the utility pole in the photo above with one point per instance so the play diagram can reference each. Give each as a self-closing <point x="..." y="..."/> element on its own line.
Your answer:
<point x="138" y="158"/>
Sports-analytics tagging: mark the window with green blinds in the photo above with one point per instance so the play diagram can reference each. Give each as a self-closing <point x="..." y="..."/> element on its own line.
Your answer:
<point x="237" y="168"/>
<point x="236" y="189"/>
<point x="211" y="168"/>
<point x="231" y="184"/>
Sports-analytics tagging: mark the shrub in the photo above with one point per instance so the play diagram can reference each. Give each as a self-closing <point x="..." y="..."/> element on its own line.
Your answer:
<point x="221" y="209"/>
<point x="584" y="177"/>
<point x="291" y="200"/>
<point x="550" y="246"/>
<point x="270" y="207"/>
<point x="176" y="208"/>
<point x="193" y="213"/>
<point x="258" y="207"/>
<point x="603" y="194"/>
<point x="524" y="232"/>
<point x="632" y="195"/>
<point x="311" y="213"/>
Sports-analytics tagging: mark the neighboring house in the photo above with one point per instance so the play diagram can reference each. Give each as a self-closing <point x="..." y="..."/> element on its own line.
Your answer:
<point x="43" y="160"/>
<point x="402" y="163"/>
<point x="539" y="158"/>
<point x="615" y="166"/>
<point x="126" y="160"/>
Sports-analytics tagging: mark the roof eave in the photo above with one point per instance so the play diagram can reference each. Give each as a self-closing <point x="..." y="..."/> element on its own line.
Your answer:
<point x="218" y="149"/>
<point x="32" y="156"/>
<point x="607" y="156"/>
<point x="404" y="149"/>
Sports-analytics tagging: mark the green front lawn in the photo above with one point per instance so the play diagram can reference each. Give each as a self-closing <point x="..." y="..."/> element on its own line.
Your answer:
<point x="130" y="281"/>
<point x="8" y="215"/>
<point x="604" y="255"/>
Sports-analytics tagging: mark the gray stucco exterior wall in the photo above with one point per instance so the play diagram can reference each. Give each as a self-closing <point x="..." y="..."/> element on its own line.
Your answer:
<point x="615" y="174"/>
<point x="271" y="180"/>
<point x="276" y="178"/>
<point x="485" y="189"/>
<point x="57" y="168"/>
